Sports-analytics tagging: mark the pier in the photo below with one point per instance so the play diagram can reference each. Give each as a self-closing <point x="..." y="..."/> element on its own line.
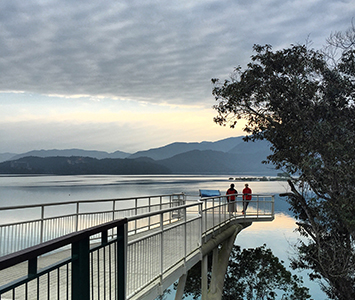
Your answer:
<point x="129" y="248"/>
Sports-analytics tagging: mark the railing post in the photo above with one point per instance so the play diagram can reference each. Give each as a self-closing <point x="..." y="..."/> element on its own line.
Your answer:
<point x="161" y="247"/>
<point x="121" y="262"/>
<point x="205" y="213"/>
<point x="200" y="207"/>
<point x="213" y="206"/>
<point x="113" y="209"/>
<point x="149" y="209"/>
<point x="32" y="267"/>
<point x="77" y="216"/>
<point x="81" y="269"/>
<point x="42" y="224"/>
<point x="185" y="234"/>
<point x="219" y="210"/>
<point x="135" y="212"/>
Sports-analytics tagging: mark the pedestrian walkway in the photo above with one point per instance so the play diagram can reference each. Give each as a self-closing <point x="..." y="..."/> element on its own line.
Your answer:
<point x="161" y="246"/>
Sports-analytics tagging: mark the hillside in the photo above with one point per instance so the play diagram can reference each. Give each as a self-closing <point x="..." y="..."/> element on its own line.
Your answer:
<point x="81" y="165"/>
<point x="232" y="144"/>
<point x="228" y="156"/>
<point x="71" y="152"/>
<point x="6" y="156"/>
<point x="251" y="147"/>
<point x="217" y="162"/>
<point x="178" y="148"/>
<point x="197" y="161"/>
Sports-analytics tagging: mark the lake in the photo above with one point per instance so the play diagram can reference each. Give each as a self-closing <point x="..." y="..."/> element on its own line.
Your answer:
<point x="278" y="235"/>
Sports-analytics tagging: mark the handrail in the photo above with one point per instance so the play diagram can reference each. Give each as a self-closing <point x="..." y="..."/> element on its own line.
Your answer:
<point x="77" y="265"/>
<point x="157" y="260"/>
<point x="146" y="215"/>
<point x="38" y="250"/>
<point x="86" y="201"/>
<point x="236" y="195"/>
<point x="42" y="222"/>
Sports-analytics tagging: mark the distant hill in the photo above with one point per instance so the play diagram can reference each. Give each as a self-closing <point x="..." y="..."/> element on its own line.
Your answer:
<point x="197" y="161"/>
<point x="251" y="147"/>
<point x="232" y="156"/>
<point x="178" y="148"/>
<point x="6" y="156"/>
<point x="81" y="165"/>
<point x="232" y="144"/>
<point x="217" y="162"/>
<point x="71" y="152"/>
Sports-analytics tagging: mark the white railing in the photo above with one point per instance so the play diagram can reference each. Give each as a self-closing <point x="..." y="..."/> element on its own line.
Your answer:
<point x="260" y="207"/>
<point x="163" y="240"/>
<point x="154" y="254"/>
<point x="157" y="257"/>
<point x="28" y="225"/>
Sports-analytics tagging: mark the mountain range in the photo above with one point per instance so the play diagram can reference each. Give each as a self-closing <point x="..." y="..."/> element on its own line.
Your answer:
<point x="227" y="156"/>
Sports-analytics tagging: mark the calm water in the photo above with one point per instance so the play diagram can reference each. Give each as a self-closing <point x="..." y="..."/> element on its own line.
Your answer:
<point x="16" y="190"/>
<point x="278" y="235"/>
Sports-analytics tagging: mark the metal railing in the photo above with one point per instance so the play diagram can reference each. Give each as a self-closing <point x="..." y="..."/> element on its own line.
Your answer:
<point x="154" y="255"/>
<point x="259" y="208"/>
<point x="28" y="225"/>
<point x="161" y="246"/>
<point x="85" y="273"/>
<point x="158" y="255"/>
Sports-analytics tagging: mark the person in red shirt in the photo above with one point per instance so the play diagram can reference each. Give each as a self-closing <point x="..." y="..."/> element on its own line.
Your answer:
<point x="246" y="197"/>
<point x="232" y="207"/>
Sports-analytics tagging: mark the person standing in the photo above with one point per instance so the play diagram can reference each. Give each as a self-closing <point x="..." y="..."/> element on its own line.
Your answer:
<point x="246" y="197"/>
<point x="232" y="207"/>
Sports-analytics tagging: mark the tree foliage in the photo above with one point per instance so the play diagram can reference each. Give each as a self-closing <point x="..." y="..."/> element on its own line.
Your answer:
<point x="303" y="104"/>
<point x="253" y="274"/>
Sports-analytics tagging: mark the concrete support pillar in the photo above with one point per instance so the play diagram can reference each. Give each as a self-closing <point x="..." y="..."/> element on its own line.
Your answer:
<point x="181" y="287"/>
<point x="220" y="262"/>
<point x="204" y="279"/>
<point x="219" y="267"/>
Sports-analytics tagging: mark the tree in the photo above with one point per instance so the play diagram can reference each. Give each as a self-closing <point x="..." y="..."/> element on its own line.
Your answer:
<point x="303" y="104"/>
<point x="253" y="274"/>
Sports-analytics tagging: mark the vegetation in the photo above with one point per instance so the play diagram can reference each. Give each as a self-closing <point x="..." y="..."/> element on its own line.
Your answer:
<point x="76" y="165"/>
<point x="302" y="101"/>
<point x="279" y="177"/>
<point x="252" y="274"/>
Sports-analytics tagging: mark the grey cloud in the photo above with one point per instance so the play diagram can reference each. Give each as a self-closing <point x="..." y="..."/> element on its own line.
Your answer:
<point x="153" y="50"/>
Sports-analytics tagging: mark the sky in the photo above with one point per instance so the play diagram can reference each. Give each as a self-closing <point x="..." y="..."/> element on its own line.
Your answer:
<point x="133" y="75"/>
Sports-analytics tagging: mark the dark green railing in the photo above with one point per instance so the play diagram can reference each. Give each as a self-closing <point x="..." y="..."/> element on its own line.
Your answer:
<point x="90" y="271"/>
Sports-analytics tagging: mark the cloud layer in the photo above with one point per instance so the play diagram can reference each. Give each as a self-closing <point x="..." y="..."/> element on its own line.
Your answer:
<point x="130" y="75"/>
<point x="156" y="51"/>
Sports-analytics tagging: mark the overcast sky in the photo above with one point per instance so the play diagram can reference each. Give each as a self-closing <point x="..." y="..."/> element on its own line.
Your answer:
<point x="132" y="75"/>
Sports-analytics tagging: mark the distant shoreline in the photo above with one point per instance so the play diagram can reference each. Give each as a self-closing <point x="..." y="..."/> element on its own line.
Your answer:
<point x="263" y="178"/>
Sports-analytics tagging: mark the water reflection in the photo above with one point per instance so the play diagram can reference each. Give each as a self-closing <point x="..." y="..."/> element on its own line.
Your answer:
<point x="279" y="236"/>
